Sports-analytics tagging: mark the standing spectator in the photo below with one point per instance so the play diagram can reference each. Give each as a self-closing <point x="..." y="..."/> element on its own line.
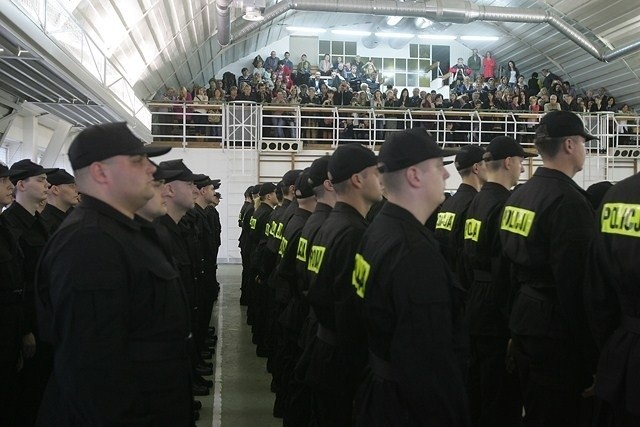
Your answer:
<point x="344" y="95"/>
<point x="611" y="104"/>
<point x="458" y="72"/>
<point x="212" y="86"/>
<point x="475" y="63"/>
<point x="568" y="89"/>
<point x="488" y="66"/>
<point x="534" y="84"/>
<point x="286" y="61"/>
<point x="549" y="78"/>
<point x="303" y="70"/>
<point x="200" y="111"/>
<point x="514" y="74"/>
<point x="415" y="98"/>
<point x="325" y="65"/>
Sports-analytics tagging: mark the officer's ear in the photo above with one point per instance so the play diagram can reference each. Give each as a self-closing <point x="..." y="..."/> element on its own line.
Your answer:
<point x="55" y="190"/>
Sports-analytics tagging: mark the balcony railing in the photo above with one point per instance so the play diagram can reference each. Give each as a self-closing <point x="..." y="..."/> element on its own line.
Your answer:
<point x="237" y="125"/>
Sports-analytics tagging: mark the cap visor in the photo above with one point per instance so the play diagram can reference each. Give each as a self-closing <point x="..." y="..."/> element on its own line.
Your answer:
<point x="155" y="151"/>
<point x="447" y="152"/>
<point x="589" y="137"/>
<point x="165" y="174"/>
<point x="10" y="173"/>
<point x="447" y="162"/>
<point x="529" y="154"/>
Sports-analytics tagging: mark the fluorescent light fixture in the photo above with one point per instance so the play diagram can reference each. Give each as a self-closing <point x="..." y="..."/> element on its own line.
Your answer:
<point x="351" y="32"/>
<point x="422" y="23"/>
<point x="1" y="49"/>
<point x="252" y="14"/>
<point x="395" y="35"/>
<point x="436" y="37"/>
<point x="306" y="30"/>
<point x="394" y="20"/>
<point x="480" y="38"/>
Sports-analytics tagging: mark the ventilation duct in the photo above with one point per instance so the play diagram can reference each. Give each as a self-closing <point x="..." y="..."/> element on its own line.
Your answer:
<point x="451" y="11"/>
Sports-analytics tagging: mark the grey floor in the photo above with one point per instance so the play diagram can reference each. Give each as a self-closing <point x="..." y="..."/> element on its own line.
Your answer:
<point x="241" y="395"/>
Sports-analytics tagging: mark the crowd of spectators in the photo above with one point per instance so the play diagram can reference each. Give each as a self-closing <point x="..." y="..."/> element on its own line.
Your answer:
<point x="478" y="84"/>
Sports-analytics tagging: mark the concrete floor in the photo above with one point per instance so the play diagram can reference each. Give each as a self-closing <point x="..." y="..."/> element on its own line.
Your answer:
<point x="240" y="396"/>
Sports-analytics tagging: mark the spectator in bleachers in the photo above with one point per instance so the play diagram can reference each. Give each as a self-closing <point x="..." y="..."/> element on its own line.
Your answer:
<point x="286" y="61"/>
<point x="568" y="89"/>
<point x="294" y="96"/>
<point x="200" y="112"/>
<point x="512" y="73"/>
<point x="568" y="103"/>
<point x="427" y="102"/>
<point x="271" y="63"/>
<point x="303" y="71"/>
<point x="281" y="120"/>
<point x="233" y="94"/>
<point x="325" y="65"/>
<point x="245" y="77"/>
<point x="212" y="86"/>
<point x="597" y="104"/>
<point x="581" y="107"/>
<point x="488" y="66"/>
<point x="553" y="104"/>
<point x="344" y="95"/>
<point x="335" y="79"/>
<point x="316" y="81"/>
<point x="533" y="84"/>
<point x="549" y="78"/>
<point x="337" y="61"/>
<point x="357" y="61"/>
<point x="262" y="94"/>
<point x="246" y="93"/>
<point x="404" y="101"/>
<point x="504" y="84"/>
<point x="475" y="63"/>
<point x="611" y="104"/>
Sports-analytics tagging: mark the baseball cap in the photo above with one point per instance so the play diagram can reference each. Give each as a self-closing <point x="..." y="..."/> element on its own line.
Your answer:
<point x="6" y="172"/>
<point x="502" y="147"/>
<point x="290" y="177"/>
<point x="25" y="168"/>
<point x="468" y="156"/>
<point x="348" y="160"/>
<point x="318" y="171"/>
<point x="559" y="123"/>
<point x="267" y="188"/>
<point x="218" y="195"/>
<point x="185" y="173"/>
<point x="60" y="177"/>
<point x="256" y="189"/>
<point x="103" y="141"/>
<point x="204" y="182"/>
<point x="407" y="148"/>
<point x="304" y="188"/>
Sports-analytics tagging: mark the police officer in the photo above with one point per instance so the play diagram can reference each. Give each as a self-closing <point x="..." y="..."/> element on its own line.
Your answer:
<point x="32" y="233"/>
<point x="495" y="393"/>
<point x="243" y="222"/>
<point x="287" y="297"/>
<point x="338" y="355"/>
<point x="450" y="223"/>
<point x="258" y="237"/>
<point x="11" y="310"/>
<point x="302" y="325"/>
<point x="62" y="196"/>
<point x="546" y="228"/>
<point x="613" y="304"/>
<point x="108" y="299"/>
<point x="412" y="303"/>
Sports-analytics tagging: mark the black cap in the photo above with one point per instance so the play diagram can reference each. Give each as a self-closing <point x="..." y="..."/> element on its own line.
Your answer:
<point x="256" y="189"/>
<point x="502" y="147"/>
<point x="348" y="160"/>
<point x="60" y="177"/>
<point x="290" y="177"/>
<point x="185" y="175"/>
<point x="6" y="172"/>
<point x="318" y="171"/>
<point x="204" y="182"/>
<point x="247" y="192"/>
<point x="100" y="142"/>
<point x="164" y="174"/>
<point x="559" y="123"/>
<point x="216" y="183"/>
<point x="304" y="188"/>
<point x="218" y="195"/>
<point x="25" y="168"/>
<point x="468" y="156"/>
<point x="267" y="188"/>
<point x="409" y="147"/>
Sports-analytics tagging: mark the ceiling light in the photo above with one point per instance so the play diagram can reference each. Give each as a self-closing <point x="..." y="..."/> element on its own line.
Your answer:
<point x="1" y="49"/>
<point x="21" y="51"/>
<point x="252" y="14"/>
<point x="396" y="35"/>
<point x="351" y="32"/>
<point x="306" y="30"/>
<point x="480" y="38"/>
<point x="394" y="20"/>
<point x="436" y="37"/>
<point x="422" y="23"/>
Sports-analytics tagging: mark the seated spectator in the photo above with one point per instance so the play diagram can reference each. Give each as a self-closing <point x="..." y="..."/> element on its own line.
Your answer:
<point x="504" y="84"/>
<point x="233" y="94"/>
<point x="245" y="77"/>
<point x="341" y="71"/>
<point x="372" y="81"/>
<point x="246" y="93"/>
<point x="611" y="104"/>
<point x="415" y="97"/>
<point x="369" y="68"/>
<point x="294" y="96"/>
<point x="427" y="102"/>
<point x="262" y="95"/>
<point x="325" y="65"/>
<point x="568" y="89"/>
<point x="344" y="95"/>
<point x="337" y="61"/>
<point x="335" y="79"/>
<point x="364" y="87"/>
<point x="568" y="103"/>
<point x="581" y="107"/>
<point x="288" y="82"/>
<point x="316" y="81"/>
<point x="271" y="63"/>
<point x="552" y="104"/>
<point x="212" y="86"/>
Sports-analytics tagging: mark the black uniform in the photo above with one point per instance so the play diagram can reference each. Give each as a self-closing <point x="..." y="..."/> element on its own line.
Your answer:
<point x="613" y="304"/>
<point x="546" y="229"/>
<point x="415" y="328"/>
<point x="32" y="234"/>
<point x="53" y="217"/>
<point x="207" y="250"/>
<point x="450" y="224"/>
<point x="338" y="355"/>
<point x="246" y="214"/>
<point x="288" y="301"/>
<point x="111" y="303"/>
<point x="303" y="329"/>
<point x="11" y="321"/>
<point x="494" y="392"/>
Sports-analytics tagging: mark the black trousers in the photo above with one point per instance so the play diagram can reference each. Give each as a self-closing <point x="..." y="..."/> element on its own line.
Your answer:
<point x="552" y="382"/>
<point x="495" y="393"/>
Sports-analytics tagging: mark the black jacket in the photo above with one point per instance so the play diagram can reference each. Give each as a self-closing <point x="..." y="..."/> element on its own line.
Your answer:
<point x="112" y="305"/>
<point x="53" y="217"/>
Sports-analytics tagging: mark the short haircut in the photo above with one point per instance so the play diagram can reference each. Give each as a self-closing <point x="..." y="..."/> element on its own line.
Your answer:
<point x="548" y="147"/>
<point x="466" y="172"/>
<point x="494" y="165"/>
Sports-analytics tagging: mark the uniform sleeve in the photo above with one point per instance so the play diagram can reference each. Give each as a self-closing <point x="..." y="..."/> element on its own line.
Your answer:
<point x="89" y="291"/>
<point x="571" y="235"/>
<point x="423" y="350"/>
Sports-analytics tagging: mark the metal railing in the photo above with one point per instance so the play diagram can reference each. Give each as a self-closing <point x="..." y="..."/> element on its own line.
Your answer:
<point x="247" y="124"/>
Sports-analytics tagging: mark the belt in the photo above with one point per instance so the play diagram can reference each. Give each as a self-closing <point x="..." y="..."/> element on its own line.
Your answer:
<point x="326" y="335"/>
<point x="148" y="351"/>
<point x="381" y="367"/>
<point x="630" y="324"/>
<point x="482" y="276"/>
<point x="11" y="297"/>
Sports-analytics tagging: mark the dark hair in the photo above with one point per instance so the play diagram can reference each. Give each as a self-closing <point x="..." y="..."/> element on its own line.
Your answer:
<point x="534" y="75"/>
<point x="547" y="146"/>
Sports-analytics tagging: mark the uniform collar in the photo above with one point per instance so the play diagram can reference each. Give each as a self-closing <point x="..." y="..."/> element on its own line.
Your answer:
<point x="323" y="207"/>
<point x="400" y="213"/>
<point x="544" y="172"/>
<point x="54" y="211"/>
<point x="22" y="215"/>
<point x="495" y="187"/>
<point x="466" y="188"/>
<point x="346" y="208"/>
<point x="107" y="210"/>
